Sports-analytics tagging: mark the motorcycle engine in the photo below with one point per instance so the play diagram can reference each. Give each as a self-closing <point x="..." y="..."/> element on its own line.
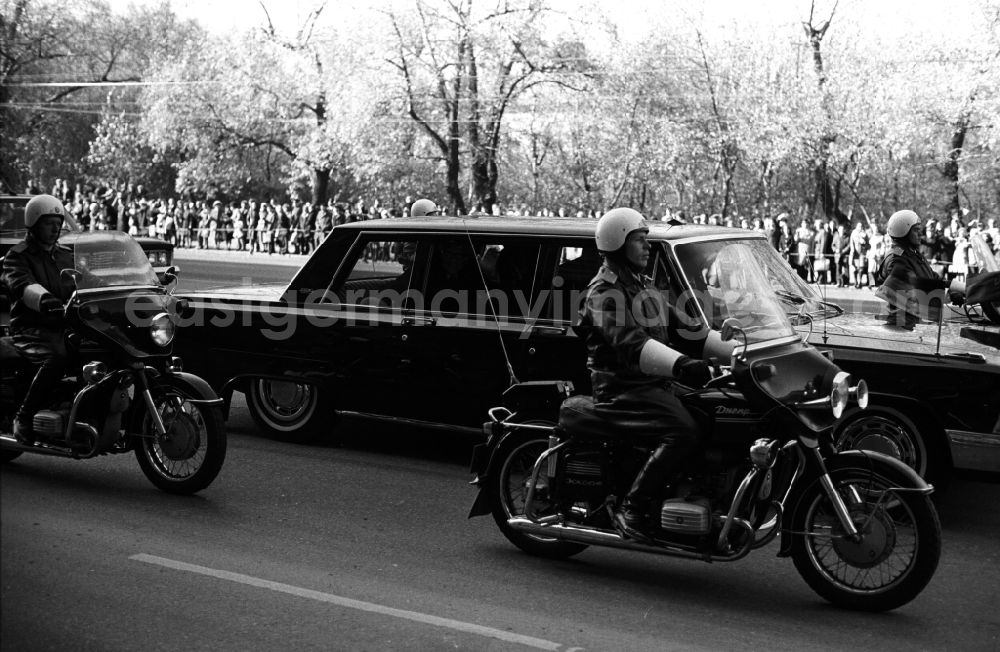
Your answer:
<point x="582" y="474"/>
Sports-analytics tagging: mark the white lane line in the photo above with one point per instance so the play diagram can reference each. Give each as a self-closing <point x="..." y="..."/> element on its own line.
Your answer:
<point x="427" y="619"/>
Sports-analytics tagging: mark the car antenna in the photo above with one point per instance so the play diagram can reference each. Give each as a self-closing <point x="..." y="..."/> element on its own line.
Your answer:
<point x="489" y="302"/>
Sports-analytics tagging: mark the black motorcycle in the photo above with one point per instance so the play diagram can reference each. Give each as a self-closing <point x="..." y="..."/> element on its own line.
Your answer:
<point x="126" y="392"/>
<point x="859" y="526"/>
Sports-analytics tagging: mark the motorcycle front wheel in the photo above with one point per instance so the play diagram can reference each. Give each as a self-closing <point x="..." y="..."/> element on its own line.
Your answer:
<point x="516" y="458"/>
<point x="190" y="455"/>
<point x="897" y="553"/>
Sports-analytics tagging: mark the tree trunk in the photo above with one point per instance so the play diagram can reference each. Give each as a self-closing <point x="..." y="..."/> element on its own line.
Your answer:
<point x="951" y="167"/>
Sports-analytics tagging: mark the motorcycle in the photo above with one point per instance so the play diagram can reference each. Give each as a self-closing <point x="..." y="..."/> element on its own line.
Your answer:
<point x="858" y="525"/>
<point x="128" y="394"/>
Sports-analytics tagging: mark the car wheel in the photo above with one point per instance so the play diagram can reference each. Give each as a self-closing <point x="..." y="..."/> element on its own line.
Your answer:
<point x="286" y="410"/>
<point x="889" y="432"/>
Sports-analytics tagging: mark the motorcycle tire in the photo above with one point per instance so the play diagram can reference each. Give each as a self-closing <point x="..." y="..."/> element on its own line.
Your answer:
<point x="894" y="560"/>
<point x="191" y="454"/>
<point x="515" y="459"/>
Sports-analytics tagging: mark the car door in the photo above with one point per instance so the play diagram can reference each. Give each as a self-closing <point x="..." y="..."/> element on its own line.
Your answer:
<point x="463" y="341"/>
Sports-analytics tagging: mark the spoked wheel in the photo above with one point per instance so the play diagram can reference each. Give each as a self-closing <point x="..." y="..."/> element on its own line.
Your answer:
<point x="893" y="559"/>
<point x="285" y="410"/>
<point x="517" y="459"/>
<point x="190" y="455"/>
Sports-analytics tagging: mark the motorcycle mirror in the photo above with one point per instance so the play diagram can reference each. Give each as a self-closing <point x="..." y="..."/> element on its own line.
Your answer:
<point x="170" y="275"/>
<point x="729" y="329"/>
<point x="71" y="274"/>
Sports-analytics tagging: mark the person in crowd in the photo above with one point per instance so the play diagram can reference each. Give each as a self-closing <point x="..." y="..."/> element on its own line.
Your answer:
<point x="841" y="252"/>
<point x="960" y="262"/>
<point x="822" y="253"/>
<point x="803" y="250"/>
<point x="32" y="272"/>
<point x="858" y="255"/>
<point x="633" y="361"/>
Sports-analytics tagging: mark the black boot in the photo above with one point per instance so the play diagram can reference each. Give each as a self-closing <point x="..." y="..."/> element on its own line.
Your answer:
<point x="664" y="464"/>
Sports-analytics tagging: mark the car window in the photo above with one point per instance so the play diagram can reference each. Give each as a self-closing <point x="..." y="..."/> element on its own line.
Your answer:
<point x="381" y="273"/>
<point x="576" y="264"/>
<point x="449" y="275"/>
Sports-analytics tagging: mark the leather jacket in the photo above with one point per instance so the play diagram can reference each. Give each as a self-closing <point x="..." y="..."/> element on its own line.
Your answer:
<point x="621" y="312"/>
<point x="27" y="263"/>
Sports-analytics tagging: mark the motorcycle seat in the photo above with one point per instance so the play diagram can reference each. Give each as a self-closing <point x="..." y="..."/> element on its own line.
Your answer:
<point x="580" y="416"/>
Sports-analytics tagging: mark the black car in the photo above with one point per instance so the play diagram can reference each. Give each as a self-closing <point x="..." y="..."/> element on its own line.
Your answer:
<point x="431" y="319"/>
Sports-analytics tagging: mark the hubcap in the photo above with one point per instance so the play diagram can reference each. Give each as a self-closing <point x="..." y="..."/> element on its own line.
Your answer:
<point x="877" y="541"/>
<point x="881" y="435"/>
<point x="181" y="440"/>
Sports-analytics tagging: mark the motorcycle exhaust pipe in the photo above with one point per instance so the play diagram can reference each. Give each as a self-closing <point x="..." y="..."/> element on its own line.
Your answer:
<point x="595" y="537"/>
<point x="10" y="443"/>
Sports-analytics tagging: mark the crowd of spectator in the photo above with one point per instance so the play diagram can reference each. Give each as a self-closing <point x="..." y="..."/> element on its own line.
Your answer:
<point x="821" y="251"/>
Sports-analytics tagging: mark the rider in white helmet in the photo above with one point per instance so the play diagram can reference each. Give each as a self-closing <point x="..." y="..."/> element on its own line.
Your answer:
<point x="633" y="361"/>
<point x="423" y="207"/>
<point x="31" y="270"/>
<point x="906" y="280"/>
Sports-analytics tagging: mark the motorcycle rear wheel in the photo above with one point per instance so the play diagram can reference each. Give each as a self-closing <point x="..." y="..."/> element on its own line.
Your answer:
<point x="896" y="557"/>
<point x="516" y="458"/>
<point x="189" y="457"/>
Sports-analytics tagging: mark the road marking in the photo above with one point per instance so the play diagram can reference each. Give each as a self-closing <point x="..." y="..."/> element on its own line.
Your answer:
<point x="427" y="619"/>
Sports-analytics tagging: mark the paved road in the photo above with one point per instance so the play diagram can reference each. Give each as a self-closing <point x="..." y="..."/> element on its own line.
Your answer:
<point x="366" y="545"/>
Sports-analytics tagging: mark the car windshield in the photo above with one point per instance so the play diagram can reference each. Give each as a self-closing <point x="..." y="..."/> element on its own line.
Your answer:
<point x="738" y="278"/>
<point x="111" y="258"/>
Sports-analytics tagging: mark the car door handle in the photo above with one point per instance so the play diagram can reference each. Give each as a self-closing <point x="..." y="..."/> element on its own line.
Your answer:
<point x="418" y="321"/>
<point x="548" y="330"/>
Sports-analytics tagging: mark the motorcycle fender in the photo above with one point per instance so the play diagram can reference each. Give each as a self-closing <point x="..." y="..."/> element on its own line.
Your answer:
<point x="484" y="466"/>
<point x="191" y="384"/>
<point x="904" y="476"/>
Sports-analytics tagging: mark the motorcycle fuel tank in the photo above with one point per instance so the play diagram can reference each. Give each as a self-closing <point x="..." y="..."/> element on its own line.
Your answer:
<point x="727" y="416"/>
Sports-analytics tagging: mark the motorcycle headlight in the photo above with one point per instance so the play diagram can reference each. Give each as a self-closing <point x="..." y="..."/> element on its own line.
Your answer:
<point x="162" y="329"/>
<point x="840" y="393"/>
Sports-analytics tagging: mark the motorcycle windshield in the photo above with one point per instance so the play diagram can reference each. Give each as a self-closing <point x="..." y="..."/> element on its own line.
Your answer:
<point x="111" y="258"/>
<point x="739" y="279"/>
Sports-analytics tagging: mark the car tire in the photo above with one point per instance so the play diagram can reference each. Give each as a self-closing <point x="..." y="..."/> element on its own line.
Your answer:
<point x="886" y="430"/>
<point x="287" y="410"/>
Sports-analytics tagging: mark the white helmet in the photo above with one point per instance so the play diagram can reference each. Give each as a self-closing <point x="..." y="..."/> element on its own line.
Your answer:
<point x="901" y="222"/>
<point x="615" y="225"/>
<point x="41" y="206"/>
<point x="424" y="207"/>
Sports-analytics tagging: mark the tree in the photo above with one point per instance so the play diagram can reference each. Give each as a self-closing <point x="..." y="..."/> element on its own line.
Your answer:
<point x="462" y="70"/>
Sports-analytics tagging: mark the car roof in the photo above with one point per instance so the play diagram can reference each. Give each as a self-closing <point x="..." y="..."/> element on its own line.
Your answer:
<point x="531" y="225"/>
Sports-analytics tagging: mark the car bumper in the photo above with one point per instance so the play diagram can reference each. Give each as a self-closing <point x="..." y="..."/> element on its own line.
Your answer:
<point x="975" y="451"/>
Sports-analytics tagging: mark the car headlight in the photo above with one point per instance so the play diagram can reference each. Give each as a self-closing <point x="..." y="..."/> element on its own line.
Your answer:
<point x="840" y="393"/>
<point x="162" y="329"/>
